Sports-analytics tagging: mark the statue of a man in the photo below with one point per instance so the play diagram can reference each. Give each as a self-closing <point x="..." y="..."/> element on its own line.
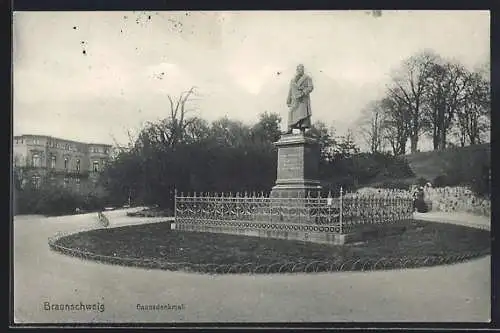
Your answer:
<point x="298" y="101"/>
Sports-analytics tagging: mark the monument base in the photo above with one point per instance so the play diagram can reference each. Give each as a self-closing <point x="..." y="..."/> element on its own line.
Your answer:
<point x="298" y="161"/>
<point x="322" y="234"/>
<point x="297" y="178"/>
<point x="290" y="231"/>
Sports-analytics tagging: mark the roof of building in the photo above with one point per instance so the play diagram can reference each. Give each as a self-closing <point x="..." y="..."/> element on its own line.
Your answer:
<point x="62" y="139"/>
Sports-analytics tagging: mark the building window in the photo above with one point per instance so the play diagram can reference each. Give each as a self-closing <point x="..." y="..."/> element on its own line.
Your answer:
<point x="35" y="181"/>
<point x="65" y="163"/>
<point x="35" y="160"/>
<point x="36" y="141"/>
<point x="53" y="162"/>
<point x="95" y="166"/>
<point x="78" y="165"/>
<point x="77" y="181"/>
<point x="66" y="181"/>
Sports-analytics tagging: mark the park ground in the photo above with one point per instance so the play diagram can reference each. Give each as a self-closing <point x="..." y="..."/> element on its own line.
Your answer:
<point x="459" y="292"/>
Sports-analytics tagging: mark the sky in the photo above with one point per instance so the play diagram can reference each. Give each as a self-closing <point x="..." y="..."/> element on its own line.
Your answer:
<point x="94" y="76"/>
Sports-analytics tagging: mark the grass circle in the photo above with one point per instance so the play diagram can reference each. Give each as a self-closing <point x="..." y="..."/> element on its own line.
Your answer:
<point x="156" y="246"/>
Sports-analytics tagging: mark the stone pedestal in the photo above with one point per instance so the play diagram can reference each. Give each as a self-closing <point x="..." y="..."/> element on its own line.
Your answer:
<point x="298" y="162"/>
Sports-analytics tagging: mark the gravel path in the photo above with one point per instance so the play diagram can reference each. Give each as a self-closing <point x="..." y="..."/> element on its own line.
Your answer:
<point x="476" y="221"/>
<point x="458" y="292"/>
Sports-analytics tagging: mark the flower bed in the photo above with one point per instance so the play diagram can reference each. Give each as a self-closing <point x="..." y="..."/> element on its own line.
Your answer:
<point x="157" y="246"/>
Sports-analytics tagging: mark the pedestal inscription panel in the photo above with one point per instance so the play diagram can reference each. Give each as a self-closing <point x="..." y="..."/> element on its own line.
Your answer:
<point x="291" y="163"/>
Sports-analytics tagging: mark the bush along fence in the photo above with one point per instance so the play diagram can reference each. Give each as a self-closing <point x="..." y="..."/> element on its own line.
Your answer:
<point x="317" y="217"/>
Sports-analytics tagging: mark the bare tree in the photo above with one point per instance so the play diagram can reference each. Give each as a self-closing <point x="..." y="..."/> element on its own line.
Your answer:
<point x="474" y="114"/>
<point x="408" y="86"/>
<point x="445" y="94"/>
<point x="173" y="129"/>
<point x="372" y="126"/>
<point x="175" y="126"/>
<point x="396" y="124"/>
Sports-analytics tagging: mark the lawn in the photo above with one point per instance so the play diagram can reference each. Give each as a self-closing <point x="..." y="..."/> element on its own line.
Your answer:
<point x="419" y="243"/>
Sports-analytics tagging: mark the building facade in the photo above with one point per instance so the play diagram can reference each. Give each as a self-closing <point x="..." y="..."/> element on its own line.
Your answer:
<point x="72" y="164"/>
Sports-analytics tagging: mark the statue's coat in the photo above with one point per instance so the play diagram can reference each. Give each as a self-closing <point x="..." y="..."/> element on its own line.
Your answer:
<point x="299" y="114"/>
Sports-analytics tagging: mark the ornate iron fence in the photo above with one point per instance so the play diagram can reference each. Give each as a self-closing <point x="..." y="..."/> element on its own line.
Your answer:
<point x="342" y="213"/>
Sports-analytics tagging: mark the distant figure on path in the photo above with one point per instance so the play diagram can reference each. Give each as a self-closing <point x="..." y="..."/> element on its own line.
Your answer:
<point x="103" y="220"/>
<point x="299" y="102"/>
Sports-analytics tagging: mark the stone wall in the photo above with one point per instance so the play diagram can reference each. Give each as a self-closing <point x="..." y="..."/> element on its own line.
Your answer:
<point x="457" y="199"/>
<point x="444" y="199"/>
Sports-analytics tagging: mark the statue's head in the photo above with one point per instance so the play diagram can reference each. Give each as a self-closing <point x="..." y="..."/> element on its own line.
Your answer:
<point x="300" y="69"/>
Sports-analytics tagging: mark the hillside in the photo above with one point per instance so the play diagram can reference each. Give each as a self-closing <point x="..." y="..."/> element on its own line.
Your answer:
<point x="450" y="162"/>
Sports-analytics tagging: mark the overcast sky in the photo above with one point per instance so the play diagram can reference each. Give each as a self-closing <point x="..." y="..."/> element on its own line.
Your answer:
<point x="241" y="63"/>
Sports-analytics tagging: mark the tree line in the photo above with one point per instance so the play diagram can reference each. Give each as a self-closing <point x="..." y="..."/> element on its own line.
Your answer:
<point x="186" y="153"/>
<point x="433" y="96"/>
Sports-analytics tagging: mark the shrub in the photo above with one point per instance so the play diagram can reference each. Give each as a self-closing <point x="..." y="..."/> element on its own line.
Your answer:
<point x="367" y="169"/>
<point x="55" y="200"/>
<point x="468" y="166"/>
